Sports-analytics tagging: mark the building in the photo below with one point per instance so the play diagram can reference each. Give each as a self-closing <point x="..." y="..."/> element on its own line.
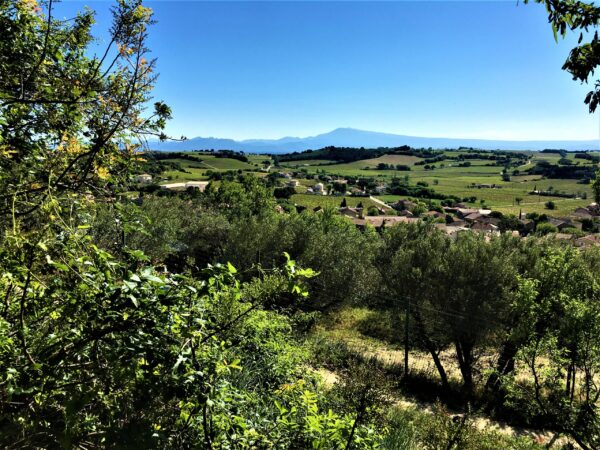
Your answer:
<point x="355" y="213"/>
<point x="588" y="241"/>
<point x="485" y="227"/>
<point x="319" y="189"/>
<point x="464" y="212"/>
<point x="561" y="224"/>
<point x="380" y="222"/>
<point x="473" y="217"/>
<point x="435" y="214"/>
<point x="144" y="178"/>
<point x="200" y="185"/>
<point x="582" y="213"/>
<point x="402" y="205"/>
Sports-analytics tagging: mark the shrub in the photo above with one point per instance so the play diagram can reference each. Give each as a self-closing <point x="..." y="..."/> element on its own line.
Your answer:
<point x="544" y="228"/>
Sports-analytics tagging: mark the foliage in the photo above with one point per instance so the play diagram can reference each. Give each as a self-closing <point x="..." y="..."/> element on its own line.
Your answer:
<point x="560" y="346"/>
<point x="187" y="352"/>
<point x="544" y="228"/>
<point x="441" y="430"/>
<point x="98" y="346"/>
<point x="248" y="197"/>
<point x="70" y="122"/>
<point x="575" y="15"/>
<point x="456" y="290"/>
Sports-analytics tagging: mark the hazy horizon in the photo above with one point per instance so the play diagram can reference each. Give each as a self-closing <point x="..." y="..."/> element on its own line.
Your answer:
<point x="266" y="70"/>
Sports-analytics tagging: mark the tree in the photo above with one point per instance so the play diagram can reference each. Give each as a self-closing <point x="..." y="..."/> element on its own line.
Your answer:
<point x="243" y="198"/>
<point x="596" y="188"/>
<point x="545" y="228"/>
<point x="458" y="291"/>
<point x="340" y="187"/>
<point x="410" y="264"/>
<point x="518" y="200"/>
<point x="560" y="351"/>
<point x="82" y="116"/>
<point x="284" y="192"/>
<point x="578" y="16"/>
<point x="477" y="280"/>
<point x="509" y="222"/>
<point x="344" y="204"/>
<point x="550" y="205"/>
<point x="372" y="211"/>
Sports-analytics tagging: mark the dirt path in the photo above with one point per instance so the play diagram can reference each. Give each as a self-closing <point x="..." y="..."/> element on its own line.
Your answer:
<point x="379" y="202"/>
<point x="208" y="165"/>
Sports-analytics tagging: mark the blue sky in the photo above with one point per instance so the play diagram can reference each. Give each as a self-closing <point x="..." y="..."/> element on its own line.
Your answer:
<point x="475" y="69"/>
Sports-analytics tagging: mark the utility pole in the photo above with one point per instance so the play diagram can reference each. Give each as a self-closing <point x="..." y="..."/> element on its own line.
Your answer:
<point x="406" y="318"/>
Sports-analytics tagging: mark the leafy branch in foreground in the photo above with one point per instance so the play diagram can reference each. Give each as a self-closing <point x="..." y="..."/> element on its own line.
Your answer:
<point x="575" y="15"/>
<point x="96" y="351"/>
<point x="69" y="122"/>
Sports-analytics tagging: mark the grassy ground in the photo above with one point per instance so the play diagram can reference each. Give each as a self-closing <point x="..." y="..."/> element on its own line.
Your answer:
<point x="380" y="335"/>
<point x="196" y="170"/>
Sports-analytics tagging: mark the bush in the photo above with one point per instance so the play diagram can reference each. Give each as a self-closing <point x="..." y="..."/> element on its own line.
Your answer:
<point x="372" y="211"/>
<point x="544" y="228"/>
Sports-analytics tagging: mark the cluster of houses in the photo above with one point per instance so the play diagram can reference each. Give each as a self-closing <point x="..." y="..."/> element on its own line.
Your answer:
<point x="591" y="212"/>
<point x="319" y="188"/>
<point x="461" y="218"/>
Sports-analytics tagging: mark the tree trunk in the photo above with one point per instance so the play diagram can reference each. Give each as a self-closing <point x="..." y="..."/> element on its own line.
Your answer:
<point x="431" y="348"/>
<point x="504" y="366"/>
<point x="464" y="354"/>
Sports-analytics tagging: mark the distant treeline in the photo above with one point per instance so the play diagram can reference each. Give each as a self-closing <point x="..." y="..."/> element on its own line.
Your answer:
<point x="351" y="154"/>
<point x="584" y="154"/>
<point x="588" y="156"/>
<point x="159" y="156"/>
<point x="573" y="172"/>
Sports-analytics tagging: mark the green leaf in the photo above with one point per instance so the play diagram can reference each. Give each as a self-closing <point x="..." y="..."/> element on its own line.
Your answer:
<point x="231" y="269"/>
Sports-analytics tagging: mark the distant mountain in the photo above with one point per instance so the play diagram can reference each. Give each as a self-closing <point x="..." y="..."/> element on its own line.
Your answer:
<point x="350" y="137"/>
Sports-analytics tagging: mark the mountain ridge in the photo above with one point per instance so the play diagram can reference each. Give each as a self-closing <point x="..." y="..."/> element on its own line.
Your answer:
<point x="352" y="137"/>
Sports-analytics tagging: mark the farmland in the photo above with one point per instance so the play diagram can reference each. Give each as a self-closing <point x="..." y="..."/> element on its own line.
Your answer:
<point x="197" y="165"/>
<point x="472" y="182"/>
<point x="508" y="195"/>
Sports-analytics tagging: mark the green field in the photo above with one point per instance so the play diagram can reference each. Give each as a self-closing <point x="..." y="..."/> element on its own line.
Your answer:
<point x="447" y="178"/>
<point x="454" y="180"/>
<point x="329" y="201"/>
<point x="196" y="170"/>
